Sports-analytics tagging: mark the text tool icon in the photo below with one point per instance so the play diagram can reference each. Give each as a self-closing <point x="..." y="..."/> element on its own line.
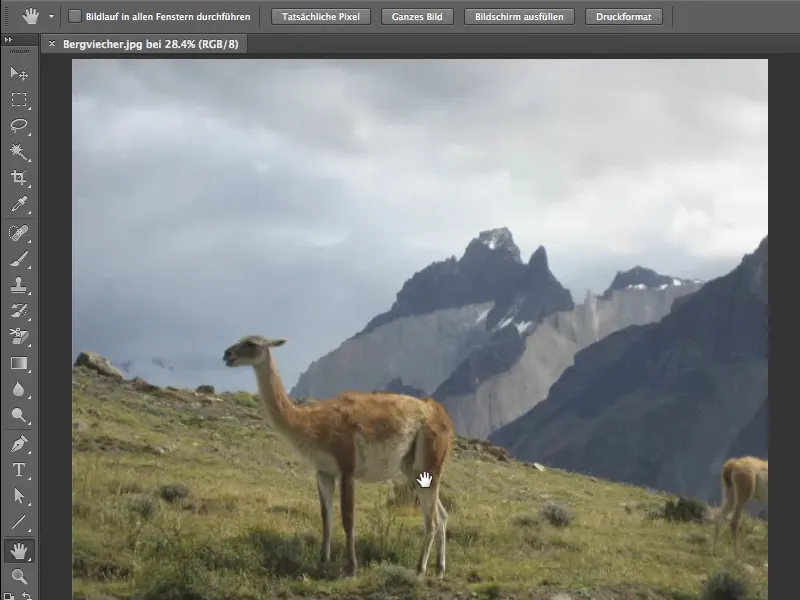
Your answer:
<point x="18" y="123"/>
<point x="17" y="233"/>
<point x="18" y="287"/>
<point x="19" y="204"/>
<point x="16" y="413"/>
<point x="19" y="363"/>
<point x="18" y="466"/>
<point x="18" y="150"/>
<point x="21" y="74"/>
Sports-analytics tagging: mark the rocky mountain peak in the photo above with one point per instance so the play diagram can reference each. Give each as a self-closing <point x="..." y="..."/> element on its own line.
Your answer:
<point x="490" y="268"/>
<point x="643" y="278"/>
<point x="495" y="242"/>
<point x="755" y="269"/>
<point x="538" y="259"/>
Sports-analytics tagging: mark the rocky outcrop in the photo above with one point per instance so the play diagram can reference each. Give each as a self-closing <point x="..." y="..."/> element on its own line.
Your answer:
<point x="100" y="364"/>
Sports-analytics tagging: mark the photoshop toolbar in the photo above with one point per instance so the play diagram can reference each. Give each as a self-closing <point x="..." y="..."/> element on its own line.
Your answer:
<point x="172" y="170"/>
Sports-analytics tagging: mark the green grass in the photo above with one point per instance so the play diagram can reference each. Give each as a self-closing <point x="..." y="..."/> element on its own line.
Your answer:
<point x="178" y="496"/>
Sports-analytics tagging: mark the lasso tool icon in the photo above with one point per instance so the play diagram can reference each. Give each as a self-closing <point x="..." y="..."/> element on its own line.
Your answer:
<point x="18" y="124"/>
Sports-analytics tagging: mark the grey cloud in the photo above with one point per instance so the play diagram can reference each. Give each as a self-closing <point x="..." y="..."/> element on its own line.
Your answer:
<point x="218" y="198"/>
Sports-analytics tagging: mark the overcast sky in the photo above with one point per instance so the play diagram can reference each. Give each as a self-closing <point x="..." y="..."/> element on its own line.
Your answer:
<point x="218" y="198"/>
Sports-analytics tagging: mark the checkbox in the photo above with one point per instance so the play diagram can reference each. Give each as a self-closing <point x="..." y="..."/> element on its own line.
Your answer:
<point x="74" y="16"/>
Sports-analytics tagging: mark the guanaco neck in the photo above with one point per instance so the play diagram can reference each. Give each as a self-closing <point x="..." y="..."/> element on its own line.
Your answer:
<point x="280" y="410"/>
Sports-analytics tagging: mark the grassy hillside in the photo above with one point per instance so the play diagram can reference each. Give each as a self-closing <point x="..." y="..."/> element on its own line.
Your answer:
<point x="179" y="495"/>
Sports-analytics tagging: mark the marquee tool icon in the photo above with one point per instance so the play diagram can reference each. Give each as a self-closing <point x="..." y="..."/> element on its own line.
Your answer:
<point x="19" y="99"/>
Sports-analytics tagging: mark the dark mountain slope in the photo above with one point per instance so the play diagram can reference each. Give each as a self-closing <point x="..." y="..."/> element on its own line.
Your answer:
<point x="514" y="370"/>
<point x="664" y="404"/>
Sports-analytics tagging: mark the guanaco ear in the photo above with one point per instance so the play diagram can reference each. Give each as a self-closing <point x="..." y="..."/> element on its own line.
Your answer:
<point x="274" y="343"/>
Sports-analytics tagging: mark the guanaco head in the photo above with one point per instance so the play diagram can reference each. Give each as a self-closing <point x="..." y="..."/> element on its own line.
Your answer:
<point x="250" y="350"/>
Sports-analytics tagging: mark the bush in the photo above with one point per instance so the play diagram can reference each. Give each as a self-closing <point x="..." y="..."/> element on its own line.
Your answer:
<point x="143" y="505"/>
<point x="727" y="585"/>
<point x="685" y="510"/>
<point x="173" y="492"/>
<point x="556" y="515"/>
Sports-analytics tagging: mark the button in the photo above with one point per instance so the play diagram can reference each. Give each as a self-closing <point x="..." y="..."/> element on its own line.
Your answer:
<point x="519" y="16"/>
<point x="624" y="16"/>
<point x="19" y="550"/>
<point x="320" y="16"/>
<point x="74" y="16"/>
<point x="417" y="16"/>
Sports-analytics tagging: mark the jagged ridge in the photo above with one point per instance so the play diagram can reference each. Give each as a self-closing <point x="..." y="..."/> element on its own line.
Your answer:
<point x="663" y="405"/>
